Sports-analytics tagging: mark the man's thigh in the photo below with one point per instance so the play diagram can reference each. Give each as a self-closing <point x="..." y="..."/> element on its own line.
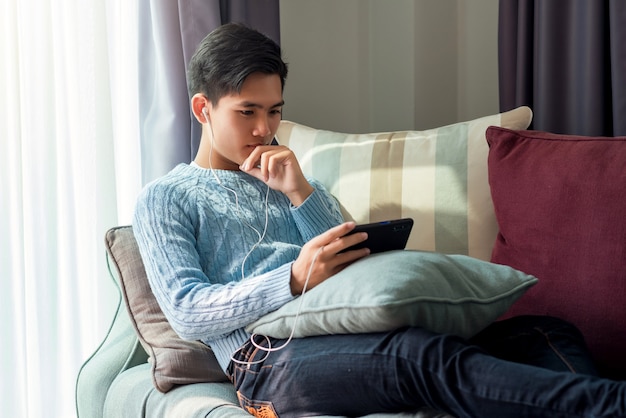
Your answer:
<point x="350" y="375"/>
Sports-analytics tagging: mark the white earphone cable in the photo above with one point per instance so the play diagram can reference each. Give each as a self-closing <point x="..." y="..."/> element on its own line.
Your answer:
<point x="261" y="236"/>
<point x="269" y="349"/>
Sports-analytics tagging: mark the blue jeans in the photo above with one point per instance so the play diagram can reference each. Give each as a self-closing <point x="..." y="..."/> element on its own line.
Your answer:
<point x="409" y="368"/>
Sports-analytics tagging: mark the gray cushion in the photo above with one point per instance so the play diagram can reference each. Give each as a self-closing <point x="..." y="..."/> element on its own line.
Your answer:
<point x="174" y="361"/>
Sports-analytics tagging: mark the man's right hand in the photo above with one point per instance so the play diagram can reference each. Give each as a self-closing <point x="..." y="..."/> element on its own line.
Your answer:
<point x="324" y="252"/>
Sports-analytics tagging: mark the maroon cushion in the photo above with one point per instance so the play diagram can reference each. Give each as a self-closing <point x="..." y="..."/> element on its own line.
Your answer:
<point x="560" y="203"/>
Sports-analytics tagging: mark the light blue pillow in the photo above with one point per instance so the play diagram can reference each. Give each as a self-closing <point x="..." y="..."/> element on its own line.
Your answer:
<point x="453" y="294"/>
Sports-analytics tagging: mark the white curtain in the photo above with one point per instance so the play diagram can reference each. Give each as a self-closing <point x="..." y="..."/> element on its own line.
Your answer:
<point x="69" y="170"/>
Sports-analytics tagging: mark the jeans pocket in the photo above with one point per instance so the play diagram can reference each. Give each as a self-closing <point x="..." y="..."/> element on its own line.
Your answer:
<point x="259" y="409"/>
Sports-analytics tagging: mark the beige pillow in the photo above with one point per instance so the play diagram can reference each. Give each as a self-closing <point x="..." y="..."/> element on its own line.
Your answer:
<point x="174" y="361"/>
<point x="438" y="177"/>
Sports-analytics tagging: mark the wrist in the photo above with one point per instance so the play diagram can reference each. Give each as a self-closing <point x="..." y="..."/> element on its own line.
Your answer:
<point x="298" y="196"/>
<point x="294" y="284"/>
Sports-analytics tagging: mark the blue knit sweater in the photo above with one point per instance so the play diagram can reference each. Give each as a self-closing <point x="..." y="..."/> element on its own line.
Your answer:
<point x="195" y="230"/>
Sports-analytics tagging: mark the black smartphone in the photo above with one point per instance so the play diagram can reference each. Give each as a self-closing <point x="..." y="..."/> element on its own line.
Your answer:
<point x="384" y="236"/>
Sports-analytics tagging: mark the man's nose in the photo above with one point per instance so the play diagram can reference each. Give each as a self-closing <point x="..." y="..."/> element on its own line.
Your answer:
<point x="262" y="127"/>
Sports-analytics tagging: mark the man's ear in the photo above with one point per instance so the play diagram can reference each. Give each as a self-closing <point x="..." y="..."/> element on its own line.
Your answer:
<point x="200" y="107"/>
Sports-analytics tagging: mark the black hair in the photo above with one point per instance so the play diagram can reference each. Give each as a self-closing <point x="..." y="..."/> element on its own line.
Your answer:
<point x="228" y="55"/>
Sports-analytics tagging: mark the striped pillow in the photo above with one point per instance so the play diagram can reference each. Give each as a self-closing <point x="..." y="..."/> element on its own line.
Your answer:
<point x="438" y="177"/>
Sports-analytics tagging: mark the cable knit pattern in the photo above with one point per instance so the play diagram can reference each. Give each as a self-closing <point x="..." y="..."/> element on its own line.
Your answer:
<point x="195" y="227"/>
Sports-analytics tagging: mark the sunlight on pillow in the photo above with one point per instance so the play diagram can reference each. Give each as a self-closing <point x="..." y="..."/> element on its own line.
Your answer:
<point x="453" y="294"/>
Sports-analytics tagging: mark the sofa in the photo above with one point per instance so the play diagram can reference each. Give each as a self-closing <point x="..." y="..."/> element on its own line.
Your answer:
<point x="531" y="221"/>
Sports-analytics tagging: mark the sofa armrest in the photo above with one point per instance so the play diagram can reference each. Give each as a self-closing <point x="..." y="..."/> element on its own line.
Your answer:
<point x="119" y="351"/>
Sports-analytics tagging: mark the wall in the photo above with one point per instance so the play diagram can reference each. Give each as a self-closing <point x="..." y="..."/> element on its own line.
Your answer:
<point x="380" y="65"/>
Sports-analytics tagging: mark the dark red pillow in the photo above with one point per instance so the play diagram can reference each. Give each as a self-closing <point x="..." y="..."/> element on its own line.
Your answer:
<point x="560" y="203"/>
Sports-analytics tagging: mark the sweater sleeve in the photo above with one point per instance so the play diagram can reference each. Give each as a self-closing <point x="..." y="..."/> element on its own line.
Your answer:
<point x="318" y="213"/>
<point x="197" y="307"/>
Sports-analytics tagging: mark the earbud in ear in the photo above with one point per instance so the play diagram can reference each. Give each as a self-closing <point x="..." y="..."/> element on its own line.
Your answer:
<point x="205" y="113"/>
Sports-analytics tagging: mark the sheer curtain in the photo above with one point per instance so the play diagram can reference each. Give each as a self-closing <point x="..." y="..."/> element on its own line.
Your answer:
<point x="69" y="170"/>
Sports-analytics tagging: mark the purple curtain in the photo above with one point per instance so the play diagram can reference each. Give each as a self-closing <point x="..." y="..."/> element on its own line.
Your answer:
<point x="566" y="59"/>
<point x="169" y="32"/>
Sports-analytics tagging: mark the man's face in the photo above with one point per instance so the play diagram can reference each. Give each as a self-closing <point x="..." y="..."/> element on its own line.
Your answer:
<point x="241" y="122"/>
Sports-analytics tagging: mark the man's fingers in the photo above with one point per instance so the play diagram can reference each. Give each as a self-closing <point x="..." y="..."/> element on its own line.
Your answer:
<point x="334" y="233"/>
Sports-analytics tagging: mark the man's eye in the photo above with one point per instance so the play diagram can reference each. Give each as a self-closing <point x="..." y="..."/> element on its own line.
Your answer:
<point x="276" y="111"/>
<point x="246" y="112"/>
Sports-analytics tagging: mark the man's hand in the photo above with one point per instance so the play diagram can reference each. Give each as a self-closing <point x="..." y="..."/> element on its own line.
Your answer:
<point x="278" y="167"/>
<point x="324" y="252"/>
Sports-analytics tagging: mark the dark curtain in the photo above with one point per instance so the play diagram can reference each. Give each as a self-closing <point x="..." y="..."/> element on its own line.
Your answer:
<point x="566" y="59"/>
<point x="169" y="32"/>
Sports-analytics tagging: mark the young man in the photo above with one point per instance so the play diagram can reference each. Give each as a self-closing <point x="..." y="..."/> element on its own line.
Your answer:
<point x="240" y="231"/>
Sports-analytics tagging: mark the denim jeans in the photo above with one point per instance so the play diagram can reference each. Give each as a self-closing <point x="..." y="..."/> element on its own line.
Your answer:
<point x="523" y="367"/>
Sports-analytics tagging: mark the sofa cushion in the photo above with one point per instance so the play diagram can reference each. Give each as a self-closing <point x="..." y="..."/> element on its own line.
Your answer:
<point x="453" y="294"/>
<point x="133" y="395"/>
<point x="437" y="176"/>
<point x="174" y="361"/>
<point x="560" y="203"/>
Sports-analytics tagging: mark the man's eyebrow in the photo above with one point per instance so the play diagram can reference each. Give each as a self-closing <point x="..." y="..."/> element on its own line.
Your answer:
<point x="258" y="106"/>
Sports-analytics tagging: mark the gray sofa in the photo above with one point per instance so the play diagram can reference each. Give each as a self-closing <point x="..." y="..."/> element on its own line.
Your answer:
<point x="370" y="174"/>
